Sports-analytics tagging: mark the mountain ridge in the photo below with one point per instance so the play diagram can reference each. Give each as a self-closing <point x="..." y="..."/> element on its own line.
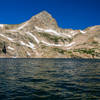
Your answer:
<point x="41" y="37"/>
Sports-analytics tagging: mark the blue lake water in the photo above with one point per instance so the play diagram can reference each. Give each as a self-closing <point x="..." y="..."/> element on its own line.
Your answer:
<point x="49" y="79"/>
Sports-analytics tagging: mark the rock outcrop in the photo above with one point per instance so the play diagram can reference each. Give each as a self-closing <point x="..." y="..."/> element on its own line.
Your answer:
<point x="40" y="37"/>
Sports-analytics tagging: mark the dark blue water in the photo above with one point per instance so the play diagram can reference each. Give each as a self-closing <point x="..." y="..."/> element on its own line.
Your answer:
<point x="49" y="79"/>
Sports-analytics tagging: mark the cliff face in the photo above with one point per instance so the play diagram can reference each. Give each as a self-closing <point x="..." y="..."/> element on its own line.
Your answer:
<point x="40" y="37"/>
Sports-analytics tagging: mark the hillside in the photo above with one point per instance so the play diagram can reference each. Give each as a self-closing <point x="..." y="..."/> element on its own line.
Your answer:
<point x="41" y="37"/>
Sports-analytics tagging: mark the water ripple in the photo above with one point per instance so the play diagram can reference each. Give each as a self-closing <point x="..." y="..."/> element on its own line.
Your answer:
<point x="49" y="79"/>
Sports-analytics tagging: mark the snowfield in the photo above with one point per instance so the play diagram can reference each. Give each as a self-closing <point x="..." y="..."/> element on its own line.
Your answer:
<point x="11" y="48"/>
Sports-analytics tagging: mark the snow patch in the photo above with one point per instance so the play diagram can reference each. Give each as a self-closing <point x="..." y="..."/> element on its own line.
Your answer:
<point x="73" y="33"/>
<point x="11" y="48"/>
<point x="1" y="25"/>
<point x="28" y="53"/>
<point x="55" y="32"/>
<point x="33" y="37"/>
<point x="83" y="32"/>
<point x="22" y="43"/>
<point x="21" y="27"/>
<point x="30" y="45"/>
<point x="10" y="39"/>
<point x="47" y="30"/>
<point x="52" y="31"/>
<point x="39" y="29"/>
<point x="71" y="44"/>
<point x="69" y="36"/>
<point x="58" y="45"/>
<point x="14" y="57"/>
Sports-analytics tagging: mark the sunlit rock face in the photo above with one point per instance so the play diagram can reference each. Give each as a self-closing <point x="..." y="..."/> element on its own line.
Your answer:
<point x="41" y="37"/>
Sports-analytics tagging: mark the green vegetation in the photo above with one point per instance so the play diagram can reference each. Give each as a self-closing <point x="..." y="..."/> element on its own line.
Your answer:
<point x="31" y="40"/>
<point x="53" y="38"/>
<point x="94" y="42"/>
<point x="70" y="52"/>
<point x="1" y="44"/>
<point x="17" y="44"/>
<point x="43" y="46"/>
<point x="87" y="51"/>
<point x="59" y="50"/>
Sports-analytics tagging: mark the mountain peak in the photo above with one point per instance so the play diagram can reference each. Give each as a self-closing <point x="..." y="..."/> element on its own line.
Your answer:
<point x="40" y="37"/>
<point x="44" y="19"/>
<point x="44" y="12"/>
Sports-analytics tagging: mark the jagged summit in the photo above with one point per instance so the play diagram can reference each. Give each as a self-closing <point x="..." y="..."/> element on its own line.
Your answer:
<point x="44" y="13"/>
<point x="44" y="19"/>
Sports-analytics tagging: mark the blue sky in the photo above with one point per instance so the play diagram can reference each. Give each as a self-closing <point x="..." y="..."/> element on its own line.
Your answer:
<point x="76" y="14"/>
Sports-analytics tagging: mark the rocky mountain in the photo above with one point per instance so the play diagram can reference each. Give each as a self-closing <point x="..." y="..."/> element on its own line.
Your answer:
<point x="41" y="37"/>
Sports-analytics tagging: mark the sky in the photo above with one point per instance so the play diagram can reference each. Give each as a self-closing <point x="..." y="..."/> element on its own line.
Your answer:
<point x="75" y="14"/>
